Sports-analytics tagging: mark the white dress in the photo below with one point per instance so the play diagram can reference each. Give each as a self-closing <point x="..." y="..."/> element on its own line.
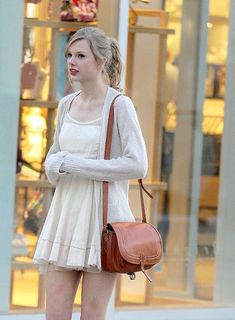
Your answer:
<point x="70" y="235"/>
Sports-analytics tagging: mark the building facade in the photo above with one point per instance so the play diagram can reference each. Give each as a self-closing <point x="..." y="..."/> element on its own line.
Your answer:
<point x="179" y="71"/>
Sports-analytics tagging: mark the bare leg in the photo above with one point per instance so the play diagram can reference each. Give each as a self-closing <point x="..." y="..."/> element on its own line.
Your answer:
<point x="61" y="287"/>
<point x="96" y="292"/>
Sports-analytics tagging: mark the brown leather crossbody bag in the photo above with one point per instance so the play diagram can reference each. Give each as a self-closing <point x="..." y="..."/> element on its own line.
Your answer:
<point x="127" y="247"/>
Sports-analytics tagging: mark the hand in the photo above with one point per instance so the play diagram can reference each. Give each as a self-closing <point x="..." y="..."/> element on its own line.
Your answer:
<point x="54" y="161"/>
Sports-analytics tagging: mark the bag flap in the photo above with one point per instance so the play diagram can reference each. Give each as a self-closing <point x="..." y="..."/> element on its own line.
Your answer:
<point x="136" y="240"/>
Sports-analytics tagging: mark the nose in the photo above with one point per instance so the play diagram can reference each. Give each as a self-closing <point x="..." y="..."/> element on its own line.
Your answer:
<point x="71" y="60"/>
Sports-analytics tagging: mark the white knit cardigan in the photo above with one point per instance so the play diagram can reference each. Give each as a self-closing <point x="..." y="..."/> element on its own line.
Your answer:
<point x="128" y="159"/>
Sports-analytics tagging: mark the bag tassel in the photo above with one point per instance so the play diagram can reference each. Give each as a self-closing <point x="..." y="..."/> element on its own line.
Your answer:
<point x="132" y="274"/>
<point x="142" y="259"/>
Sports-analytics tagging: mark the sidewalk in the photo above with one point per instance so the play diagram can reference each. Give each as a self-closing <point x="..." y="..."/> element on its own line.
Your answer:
<point x="147" y="313"/>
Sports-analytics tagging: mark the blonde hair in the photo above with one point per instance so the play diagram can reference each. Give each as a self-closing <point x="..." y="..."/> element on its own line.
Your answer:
<point x="104" y="49"/>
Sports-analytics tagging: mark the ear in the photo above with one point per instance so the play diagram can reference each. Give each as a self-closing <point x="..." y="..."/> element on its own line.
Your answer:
<point x="101" y="65"/>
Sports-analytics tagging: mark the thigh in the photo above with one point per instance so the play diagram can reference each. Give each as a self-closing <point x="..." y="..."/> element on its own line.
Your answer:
<point x="61" y="287"/>
<point x="96" y="292"/>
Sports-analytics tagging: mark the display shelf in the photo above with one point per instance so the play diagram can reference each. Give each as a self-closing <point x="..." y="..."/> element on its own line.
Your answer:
<point x="153" y="30"/>
<point x="33" y="183"/>
<point x="39" y="103"/>
<point x="213" y="117"/>
<point x="63" y="25"/>
<point x="218" y="20"/>
<point x="161" y="31"/>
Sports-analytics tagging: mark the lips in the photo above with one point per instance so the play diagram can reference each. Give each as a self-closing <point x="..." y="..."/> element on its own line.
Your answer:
<point x="73" y="71"/>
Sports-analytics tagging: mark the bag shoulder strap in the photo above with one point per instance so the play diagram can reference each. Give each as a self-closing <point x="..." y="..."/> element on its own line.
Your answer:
<point x="107" y="157"/>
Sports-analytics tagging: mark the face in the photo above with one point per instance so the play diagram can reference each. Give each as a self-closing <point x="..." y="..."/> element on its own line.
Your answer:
<point x="81" y="62"/>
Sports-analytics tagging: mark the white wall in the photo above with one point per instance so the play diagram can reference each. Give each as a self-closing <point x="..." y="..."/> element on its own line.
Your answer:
<point x="10" y="60"/>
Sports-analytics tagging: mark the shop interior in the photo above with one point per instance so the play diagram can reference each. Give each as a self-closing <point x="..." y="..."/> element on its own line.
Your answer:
<point x="47" y="27"/>
<point x="212" y="130"/>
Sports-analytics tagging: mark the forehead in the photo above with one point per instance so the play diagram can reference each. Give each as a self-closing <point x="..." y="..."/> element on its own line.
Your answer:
<point x="80" y="45"/>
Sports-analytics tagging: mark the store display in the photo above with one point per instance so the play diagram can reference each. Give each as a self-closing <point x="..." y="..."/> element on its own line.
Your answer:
<point x="32" y="80"/>
<point x="32" y="141"/>
<point x="33" y="1"/>
<point x="221" y="79"/>
<point x="34" y="213"/>
<point x="79" y="10"/>
<point x="19" y="161"/>
<point x="20" y="245"/>
<point x="210" y="82"/>
<point x="215" y="81"/>
<point x="133" y="15"/>
<point x="28" y="75"/>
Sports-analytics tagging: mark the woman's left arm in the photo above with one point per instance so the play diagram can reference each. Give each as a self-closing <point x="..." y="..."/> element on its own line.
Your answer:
<point x="133" y="162"/>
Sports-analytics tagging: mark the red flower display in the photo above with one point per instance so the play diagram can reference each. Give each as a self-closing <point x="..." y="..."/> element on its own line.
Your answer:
<point x="79" y="10"/>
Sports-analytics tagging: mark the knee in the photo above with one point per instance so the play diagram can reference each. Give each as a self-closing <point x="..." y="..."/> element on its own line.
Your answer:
<point x="91" y="312"/>
<point x="51" y="315"/>
<point x="55" y="315"/>
<point x="92" y="316"/>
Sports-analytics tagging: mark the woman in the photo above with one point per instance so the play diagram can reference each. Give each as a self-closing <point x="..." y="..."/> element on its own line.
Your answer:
<point x="68" y="248"/>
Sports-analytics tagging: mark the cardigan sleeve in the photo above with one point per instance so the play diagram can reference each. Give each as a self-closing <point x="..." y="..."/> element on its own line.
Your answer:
<point x="133" y="162"/>
<point x="54" y="156"/>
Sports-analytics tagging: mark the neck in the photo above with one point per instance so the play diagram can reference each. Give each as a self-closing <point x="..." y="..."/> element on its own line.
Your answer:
<point x="93" y="91"/>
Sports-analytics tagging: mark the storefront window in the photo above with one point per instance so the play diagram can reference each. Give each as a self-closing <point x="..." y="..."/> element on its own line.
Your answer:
<point x="43" y="82"/>
<point x="212" y="128"/>
<point x="201" y="285"/>
<point x="185" y="185"/>
<point x="186" y="275"/>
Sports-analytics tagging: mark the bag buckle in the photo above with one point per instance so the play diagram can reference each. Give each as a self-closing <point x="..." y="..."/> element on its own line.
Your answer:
<point x="106" y="230"/>
<point x="131" y="275"/>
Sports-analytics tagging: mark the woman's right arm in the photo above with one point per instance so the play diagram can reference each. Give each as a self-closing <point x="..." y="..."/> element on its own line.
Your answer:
<point x="54" y="156"/>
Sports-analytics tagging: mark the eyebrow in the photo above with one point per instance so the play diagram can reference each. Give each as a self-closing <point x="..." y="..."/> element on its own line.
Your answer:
<point x="76" y="52"/>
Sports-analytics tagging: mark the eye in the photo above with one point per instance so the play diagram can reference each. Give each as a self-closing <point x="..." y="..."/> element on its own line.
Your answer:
<point x="68" y="55"/>
<point x="81" y="55"/>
